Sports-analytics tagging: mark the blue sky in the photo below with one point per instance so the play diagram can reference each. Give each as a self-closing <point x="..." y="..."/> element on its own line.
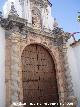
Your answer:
<point x="65" y="11"/>
<point x="1" y="4"/>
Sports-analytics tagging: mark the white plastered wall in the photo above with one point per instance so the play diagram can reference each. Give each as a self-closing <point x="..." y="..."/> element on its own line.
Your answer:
<point x="74" y="64"/>
<point x="27" y="11"/>
<point x="2" y="68"/>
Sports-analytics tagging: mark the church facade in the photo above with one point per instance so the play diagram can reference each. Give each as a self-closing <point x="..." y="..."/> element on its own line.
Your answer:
<point x="35" y="61"/>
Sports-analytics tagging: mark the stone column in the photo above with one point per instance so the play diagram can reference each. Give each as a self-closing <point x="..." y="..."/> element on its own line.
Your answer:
<point x="67" y="72"/>
<point x="15" y="67"/>
<point x="62" y="80"/>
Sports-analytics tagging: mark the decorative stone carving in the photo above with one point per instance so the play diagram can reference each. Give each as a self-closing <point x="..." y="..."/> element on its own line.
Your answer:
<point x="61" y="37"/>
<point x="42" y="3"/>
<point x="14" y="23"/>
<point x="57" y="31"/>
<point x="55" y="24"/>
<point x="24" y="32"/>
<point x="36" y="18"/>
<point x="21" y="36"/>
<point x="13" y="10"/>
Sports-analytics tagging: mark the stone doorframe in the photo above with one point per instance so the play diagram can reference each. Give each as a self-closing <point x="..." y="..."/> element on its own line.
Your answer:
<point x="16" y="40"/>
<point x="17" y="46"/>
<point x="54" y="52"/>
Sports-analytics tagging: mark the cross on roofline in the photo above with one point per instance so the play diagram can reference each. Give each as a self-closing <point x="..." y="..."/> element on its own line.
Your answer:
<point x="73" y="35"/>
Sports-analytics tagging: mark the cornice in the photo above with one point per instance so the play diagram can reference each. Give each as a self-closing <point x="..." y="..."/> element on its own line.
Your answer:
<point x="14" y="21"/>
<point x="16" y="24"/>
<point x="11" y="21"/>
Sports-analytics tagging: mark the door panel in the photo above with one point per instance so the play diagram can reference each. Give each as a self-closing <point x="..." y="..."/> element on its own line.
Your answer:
<point x="38" y="76"/>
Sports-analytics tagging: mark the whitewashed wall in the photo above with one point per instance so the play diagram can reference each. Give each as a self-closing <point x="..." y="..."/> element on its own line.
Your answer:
<point x="74" y="63"/>
<point x="7" y="8"/>
<point x="27" y="11"/>
<point x="2" y="68"/>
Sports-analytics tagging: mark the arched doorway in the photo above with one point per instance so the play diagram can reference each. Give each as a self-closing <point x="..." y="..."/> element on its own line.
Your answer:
<point x="38" y="76"/>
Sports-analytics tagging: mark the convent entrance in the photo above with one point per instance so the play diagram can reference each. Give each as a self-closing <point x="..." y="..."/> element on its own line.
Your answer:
<point x="38" y="76"/>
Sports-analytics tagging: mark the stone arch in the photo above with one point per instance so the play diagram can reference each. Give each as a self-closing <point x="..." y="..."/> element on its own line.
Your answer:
<point x="53" y="64"/>
<point x="52" y="51"/>
<point x="47" y="43"/>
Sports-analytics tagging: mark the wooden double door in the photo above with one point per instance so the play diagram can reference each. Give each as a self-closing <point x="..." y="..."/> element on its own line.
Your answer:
<point x="38" y="77"/>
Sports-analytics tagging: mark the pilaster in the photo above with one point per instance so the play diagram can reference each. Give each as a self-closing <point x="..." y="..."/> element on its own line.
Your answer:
<point x="67" y="94"/>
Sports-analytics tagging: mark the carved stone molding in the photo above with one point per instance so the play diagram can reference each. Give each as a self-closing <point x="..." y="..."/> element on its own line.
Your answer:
<point x="12" y="21"/>
<point x="61" y="37"/>
<point x="21" y="36"/>
<point x="13" y="10"/>
<point x="41" y="3"/>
